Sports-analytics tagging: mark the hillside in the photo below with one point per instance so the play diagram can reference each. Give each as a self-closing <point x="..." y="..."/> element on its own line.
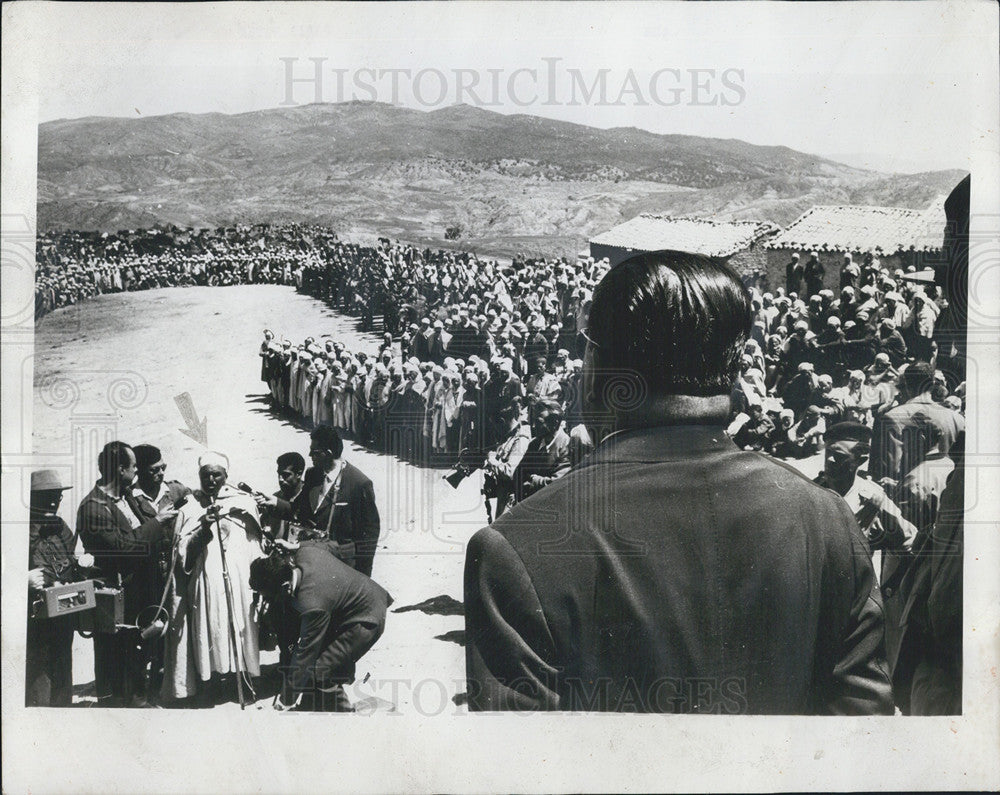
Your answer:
<point x="510" y="183"/>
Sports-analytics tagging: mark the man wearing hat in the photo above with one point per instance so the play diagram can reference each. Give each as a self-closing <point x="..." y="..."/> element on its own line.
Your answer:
<point x="436" y="343"/>
<point x="125" y="544"/>
<point x="537" y="346"/>
<point x="894" y="308"/>
<point x="800" y="388"/>
<point x="51" y="560"/>
<point x="849" y="273"/>
<point x="923" y="316"/>
<point x="409" y="342"/>
<point x="422" y="342"/>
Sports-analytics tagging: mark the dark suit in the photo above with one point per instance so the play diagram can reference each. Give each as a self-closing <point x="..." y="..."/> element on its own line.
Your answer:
<point x="671" y="572"/>
<point x="131" y="554"/>
<point x="350" y="518"/>
<point x="340" y="615"/>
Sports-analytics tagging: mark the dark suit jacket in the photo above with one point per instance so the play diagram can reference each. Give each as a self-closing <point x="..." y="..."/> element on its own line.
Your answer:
<point x="672" y="572"/>
<point x="119" y="549"/>
<point x="330" y="598"/>
<point x="354" y="520"/>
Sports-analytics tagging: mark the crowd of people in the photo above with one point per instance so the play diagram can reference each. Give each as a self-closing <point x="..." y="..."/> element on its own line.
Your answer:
<point x="483" y="365"/>
<point x="489" y="366"/>
<point x="73" y="266"/>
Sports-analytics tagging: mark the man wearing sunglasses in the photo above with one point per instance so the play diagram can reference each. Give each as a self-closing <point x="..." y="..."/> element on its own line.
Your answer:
<point x="155" y="494"/>
<point x="152" y="491"/>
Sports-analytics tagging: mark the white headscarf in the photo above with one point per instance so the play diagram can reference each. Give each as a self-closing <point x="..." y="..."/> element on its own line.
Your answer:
<point x="212" y="458"/>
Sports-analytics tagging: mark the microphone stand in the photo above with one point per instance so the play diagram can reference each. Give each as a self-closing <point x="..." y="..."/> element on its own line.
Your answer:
<point x="229" y="607"/>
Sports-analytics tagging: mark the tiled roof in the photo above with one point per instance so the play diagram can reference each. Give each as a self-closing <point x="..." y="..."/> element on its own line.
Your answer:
<point x="694" y="235"/>
<point x="853" y="228"/>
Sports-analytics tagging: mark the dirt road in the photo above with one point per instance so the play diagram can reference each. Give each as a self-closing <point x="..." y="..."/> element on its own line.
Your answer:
<point x="111" y="368"/>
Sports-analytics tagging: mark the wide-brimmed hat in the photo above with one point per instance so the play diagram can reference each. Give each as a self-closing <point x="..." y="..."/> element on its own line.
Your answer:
<point x="47" y="480"/>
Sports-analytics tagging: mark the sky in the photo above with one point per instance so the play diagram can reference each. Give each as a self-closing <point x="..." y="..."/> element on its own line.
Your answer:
<point x="885" y="86"/>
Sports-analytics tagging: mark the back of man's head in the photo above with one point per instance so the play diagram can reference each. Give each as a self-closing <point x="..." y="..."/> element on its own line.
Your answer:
<point x="677" y="320"/>
<point x="267" y="575"/>
<point x="916" y="379"/>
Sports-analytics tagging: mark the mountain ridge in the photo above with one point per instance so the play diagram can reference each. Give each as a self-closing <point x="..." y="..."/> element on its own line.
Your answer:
<point x="497" y="181"/>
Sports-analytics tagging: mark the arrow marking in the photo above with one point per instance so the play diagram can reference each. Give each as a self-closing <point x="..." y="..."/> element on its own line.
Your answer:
<point x="195" y="429"/>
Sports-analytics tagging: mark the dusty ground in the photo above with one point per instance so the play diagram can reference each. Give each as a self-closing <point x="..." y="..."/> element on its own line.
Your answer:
<point x="111" y="368"/>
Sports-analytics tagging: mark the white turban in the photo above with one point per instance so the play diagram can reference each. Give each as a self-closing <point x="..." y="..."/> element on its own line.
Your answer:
<point x="213" y="459"/>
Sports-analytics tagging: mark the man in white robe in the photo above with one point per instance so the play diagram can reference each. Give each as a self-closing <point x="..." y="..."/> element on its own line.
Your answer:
<point x="199" y="641"/>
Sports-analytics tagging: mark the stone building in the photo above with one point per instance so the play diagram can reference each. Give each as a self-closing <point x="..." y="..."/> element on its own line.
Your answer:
<point x="899" y="237"/>
<point x="739" y="243"/>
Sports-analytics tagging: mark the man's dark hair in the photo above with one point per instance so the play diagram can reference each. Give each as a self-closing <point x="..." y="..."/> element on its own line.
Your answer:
<point x="146" y="455"/>
<point x="293" y="460"/>
<point x="112" y="458"/>
<point x="267" y="575"/>
<point x="678" y="320"/>
<point x="551" y="408"/>
<point x="327" y="437"/>
<point x="917" y="379"/>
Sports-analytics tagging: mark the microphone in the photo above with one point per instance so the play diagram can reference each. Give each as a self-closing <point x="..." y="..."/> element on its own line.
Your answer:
<point x="247" y="488"/>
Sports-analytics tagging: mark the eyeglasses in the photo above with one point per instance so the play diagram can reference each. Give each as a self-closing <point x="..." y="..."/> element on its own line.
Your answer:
<point x="158" y="468"/>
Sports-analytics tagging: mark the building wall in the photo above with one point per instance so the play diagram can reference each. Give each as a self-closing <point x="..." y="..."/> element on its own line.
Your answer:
<point x="615" y="254"/>
<point x="745" y="262"/>
<point x="778" y="258"/>
<point x="750" y="263"/>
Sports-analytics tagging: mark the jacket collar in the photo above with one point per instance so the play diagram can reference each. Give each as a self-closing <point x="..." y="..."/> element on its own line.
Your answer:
<point x="100" y="495"/>
<point x="661" y="443"/>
